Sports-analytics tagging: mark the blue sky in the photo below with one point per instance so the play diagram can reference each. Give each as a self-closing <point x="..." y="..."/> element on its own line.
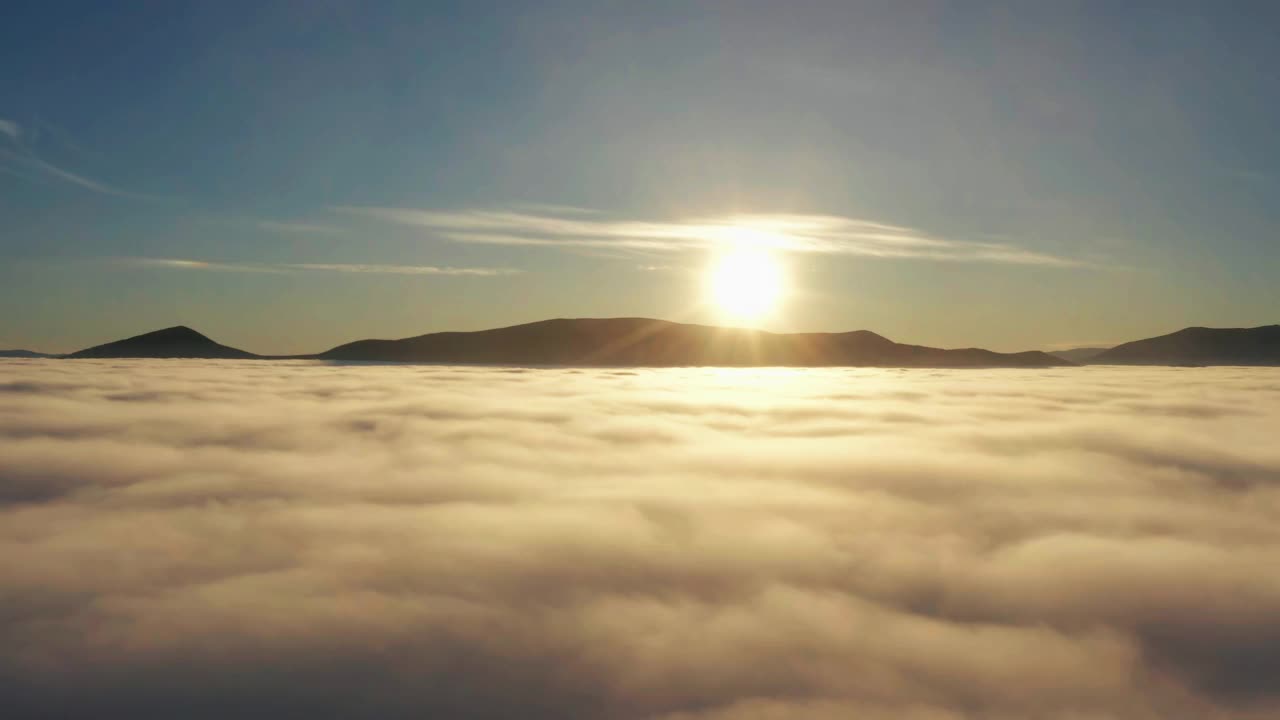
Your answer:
<point x="289" y="176"/>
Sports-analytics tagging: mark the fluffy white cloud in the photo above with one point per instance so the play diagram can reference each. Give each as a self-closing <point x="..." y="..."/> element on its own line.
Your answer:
<point x="280" y="539"/>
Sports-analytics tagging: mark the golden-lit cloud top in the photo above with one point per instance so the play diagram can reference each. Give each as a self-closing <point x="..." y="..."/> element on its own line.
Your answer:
<point x="199" y="539"/>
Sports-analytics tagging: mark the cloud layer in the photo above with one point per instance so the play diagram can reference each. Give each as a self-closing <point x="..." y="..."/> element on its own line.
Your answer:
<point x="569" y="227"/>
<point x="257" y="539"/>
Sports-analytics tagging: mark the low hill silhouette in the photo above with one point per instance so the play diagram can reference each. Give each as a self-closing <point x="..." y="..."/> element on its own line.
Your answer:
<point x="1200" y="346"/>
<point x="648" y="342"/>
<point x="1080" y="354"/>
<point x="175" y="342"/>
<point x="24" y="354"/>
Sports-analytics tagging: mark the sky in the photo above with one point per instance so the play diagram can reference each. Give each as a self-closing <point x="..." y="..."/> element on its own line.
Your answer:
<point x="285" y="177"/>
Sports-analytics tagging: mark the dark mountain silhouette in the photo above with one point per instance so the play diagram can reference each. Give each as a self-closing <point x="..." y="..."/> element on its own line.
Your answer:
<point x="24" y="354"/>
<point x="174" y="342"/>
<point x="647" y="342"/>
<point x="656" y="343"/>
<point x="1078" y="355"/>
<point x="1200" y="346"/>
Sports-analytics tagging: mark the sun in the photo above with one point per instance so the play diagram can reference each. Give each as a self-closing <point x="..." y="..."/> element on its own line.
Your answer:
<point x="746" y="283"/>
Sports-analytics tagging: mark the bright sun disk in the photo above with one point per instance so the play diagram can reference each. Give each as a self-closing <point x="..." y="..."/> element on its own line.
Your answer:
<point x="746" y="283"/>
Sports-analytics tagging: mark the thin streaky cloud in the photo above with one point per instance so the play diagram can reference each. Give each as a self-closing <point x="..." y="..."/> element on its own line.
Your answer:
<point x="25" y="163"/>
<point x="84" y="182"/>
<point x="826" y="234"/>
<point x="516" y="239"/>
<point x="297" y="227"/>
<point x="36" y="168"/>
<point x="551" y="209"/>
<point x="188" y="264"/>
<point x="1052" y="347"/>
<point x="402" y="269"/>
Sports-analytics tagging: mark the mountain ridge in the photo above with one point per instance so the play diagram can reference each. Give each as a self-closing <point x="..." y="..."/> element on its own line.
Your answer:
<point x="1199" y="346"/>
<point x="661" y="343"/>
<point x="641" y="341"/>
<point x="30" y="354"/>
<point x="1080" y="355"/>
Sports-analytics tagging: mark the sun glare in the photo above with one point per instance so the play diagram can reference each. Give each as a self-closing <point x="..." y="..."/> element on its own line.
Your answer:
<point x="746" y="283"/>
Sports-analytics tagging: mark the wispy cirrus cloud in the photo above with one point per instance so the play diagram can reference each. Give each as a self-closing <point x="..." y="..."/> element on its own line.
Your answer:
<point x="23" y="161"/>
<point x="297" y="227"/>
<point x="830" y="234"/>
<point x="56" y="172"/>
<point x="402" y="269"/>
<point x="186" y="264"/>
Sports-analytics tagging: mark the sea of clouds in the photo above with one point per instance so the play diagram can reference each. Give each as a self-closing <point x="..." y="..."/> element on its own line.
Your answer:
<point x="197" y="539"/>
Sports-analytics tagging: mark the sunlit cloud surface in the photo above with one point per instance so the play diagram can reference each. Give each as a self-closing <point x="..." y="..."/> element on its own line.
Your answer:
<point x="783" y="232"/>
<point x="255" y="539"/>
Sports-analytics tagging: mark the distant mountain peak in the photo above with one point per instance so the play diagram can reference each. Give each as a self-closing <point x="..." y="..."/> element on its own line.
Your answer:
<point x="180" y="333"/>
<point x="178" y="341"/>
<point x="867" y="335"/>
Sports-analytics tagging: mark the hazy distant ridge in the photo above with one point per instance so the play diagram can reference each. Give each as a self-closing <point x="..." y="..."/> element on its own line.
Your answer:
<point x="608" y="341"/>
<point x="659" y="343"/>
<point x="1080" y="354"/>
<point x="1200" y="346"/>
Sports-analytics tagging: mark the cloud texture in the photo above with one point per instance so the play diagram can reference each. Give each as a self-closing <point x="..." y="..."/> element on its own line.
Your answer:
<point x="22" y="160"/>
<point x="182" y="264"/>
<point x="276" y="539"/>
<point x="550" y="226"/>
